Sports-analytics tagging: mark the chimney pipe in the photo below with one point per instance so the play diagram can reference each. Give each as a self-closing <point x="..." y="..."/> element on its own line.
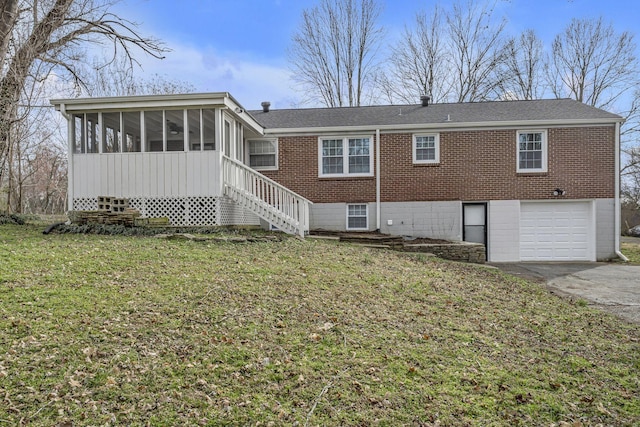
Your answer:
<point x="265" y="106"/>
<point x="425" y="100"/>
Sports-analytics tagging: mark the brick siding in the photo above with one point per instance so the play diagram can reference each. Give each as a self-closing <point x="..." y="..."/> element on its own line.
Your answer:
<point x="474" y="165"/>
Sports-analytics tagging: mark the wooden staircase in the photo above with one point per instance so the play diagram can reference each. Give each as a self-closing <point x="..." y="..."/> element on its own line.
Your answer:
<point x="266" y="198"/>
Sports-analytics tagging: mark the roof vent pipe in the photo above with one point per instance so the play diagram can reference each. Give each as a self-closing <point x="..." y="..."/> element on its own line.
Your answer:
<point x="265" y="106"/>
<point x="425" y="100"/>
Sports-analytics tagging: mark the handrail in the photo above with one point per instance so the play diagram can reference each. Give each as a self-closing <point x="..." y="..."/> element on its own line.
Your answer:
<point x="265" y="197"/>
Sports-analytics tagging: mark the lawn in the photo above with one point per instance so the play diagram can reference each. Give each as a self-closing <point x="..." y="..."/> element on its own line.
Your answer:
<point x="114" y="330"/>
<point x="631" y="251"/>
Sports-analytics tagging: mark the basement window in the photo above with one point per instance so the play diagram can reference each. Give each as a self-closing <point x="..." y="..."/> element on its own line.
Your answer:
<point x="357" y="217"/>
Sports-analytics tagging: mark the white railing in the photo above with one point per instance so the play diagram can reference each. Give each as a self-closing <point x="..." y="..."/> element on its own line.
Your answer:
<point x="266" y="198"/>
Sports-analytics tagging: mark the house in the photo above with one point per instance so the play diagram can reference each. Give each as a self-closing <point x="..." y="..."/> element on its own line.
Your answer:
<point x="533" y="180"/>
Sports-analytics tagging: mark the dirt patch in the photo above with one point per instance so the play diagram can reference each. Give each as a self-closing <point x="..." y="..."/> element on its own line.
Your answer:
<point x="376" y="237"/>
<point x="426" y="241"/>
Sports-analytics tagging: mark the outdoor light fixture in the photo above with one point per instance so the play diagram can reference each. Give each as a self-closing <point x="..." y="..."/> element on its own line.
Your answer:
<point x="559" y="192"/>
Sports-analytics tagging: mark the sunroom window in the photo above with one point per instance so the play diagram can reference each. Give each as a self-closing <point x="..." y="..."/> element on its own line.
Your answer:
<point x="132" y="131"/>
<point x="174" y="123"/>
<point x="112" y="135"/>
<point x="86" y="132"/>
<point x="147" y="130"/>
<point x="154" y="130"/>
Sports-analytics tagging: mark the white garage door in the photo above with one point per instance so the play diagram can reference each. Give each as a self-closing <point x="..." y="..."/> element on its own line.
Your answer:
<point x="556" y="231"/>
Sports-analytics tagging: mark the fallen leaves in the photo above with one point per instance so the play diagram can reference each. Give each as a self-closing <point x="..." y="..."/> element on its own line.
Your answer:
<point x="246" y="334"/>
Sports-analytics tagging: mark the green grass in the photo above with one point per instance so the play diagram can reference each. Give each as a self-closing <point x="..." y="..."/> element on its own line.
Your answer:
<point x="631" y="251"/>
<point x="113" y="330"/>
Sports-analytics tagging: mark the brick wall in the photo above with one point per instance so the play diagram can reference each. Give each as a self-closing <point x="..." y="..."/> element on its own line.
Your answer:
<point x="298" y="171"/>
<point x="474" y="165"/>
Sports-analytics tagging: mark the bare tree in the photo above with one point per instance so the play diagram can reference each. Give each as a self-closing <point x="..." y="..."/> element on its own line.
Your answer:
<point x="31" y="129"/>
<point x="42" y="37"/>
<point x="118" y="79"/>
<point x="452" y="54"/>
<point x="418" y="62"/>
<point x="45" y="189"/>
<point x="630" y="188"/>
<point x="333" y="53"/>
<point x="592" y="63"/>
<point x="475" y="50"/>
<point x="630" y="144"/>
<point x="522" y="71"/>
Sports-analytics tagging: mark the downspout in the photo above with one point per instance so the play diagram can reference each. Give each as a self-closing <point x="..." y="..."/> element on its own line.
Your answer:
<point x="378" y="221"/>
<point x="617" y="218"/>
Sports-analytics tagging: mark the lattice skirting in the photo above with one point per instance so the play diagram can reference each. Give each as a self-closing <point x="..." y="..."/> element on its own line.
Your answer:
<point x="233" y="214"/>
<point x="85" y="204"/>
<point x="184" y="211"/>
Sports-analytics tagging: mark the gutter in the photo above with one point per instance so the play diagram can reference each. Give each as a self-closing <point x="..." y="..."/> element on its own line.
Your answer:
<point x="443" y="126"/>
<point x="617" y="219"/>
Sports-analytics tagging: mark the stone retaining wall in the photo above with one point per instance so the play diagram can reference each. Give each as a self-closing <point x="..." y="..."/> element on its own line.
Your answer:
<point x="458" y="251"/>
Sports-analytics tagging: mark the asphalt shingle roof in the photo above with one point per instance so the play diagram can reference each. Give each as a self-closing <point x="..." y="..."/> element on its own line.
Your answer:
<point x="389" y="115"/>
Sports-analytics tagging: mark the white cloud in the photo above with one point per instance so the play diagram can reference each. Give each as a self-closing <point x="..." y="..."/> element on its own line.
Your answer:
<point x="249" y="81"/>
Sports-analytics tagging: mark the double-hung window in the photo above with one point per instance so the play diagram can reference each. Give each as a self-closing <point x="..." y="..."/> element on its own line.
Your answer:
<point x="263" y="154"/>
<point x="357" y="217"/>
<point x="426" y="148"/>
<point x="350" y="156"/>
<point x="532" y="151"/>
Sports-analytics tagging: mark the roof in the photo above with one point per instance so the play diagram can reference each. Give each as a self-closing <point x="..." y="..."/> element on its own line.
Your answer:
<point x="491" y="113"/>
<point x="142" y="102"/>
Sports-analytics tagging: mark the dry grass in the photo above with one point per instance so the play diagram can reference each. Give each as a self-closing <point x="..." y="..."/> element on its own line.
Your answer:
<point x="631" y="251"/>
<point x="101" y="330"/>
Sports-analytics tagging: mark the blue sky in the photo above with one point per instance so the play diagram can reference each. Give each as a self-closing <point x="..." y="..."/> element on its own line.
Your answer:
<point x="240" y="46"/>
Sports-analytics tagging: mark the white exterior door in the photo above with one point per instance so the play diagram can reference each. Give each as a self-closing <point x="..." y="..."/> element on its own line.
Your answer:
<point x="557" y="231"/>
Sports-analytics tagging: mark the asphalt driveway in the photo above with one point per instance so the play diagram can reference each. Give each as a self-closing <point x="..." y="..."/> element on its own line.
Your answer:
<point x="613" y="287"/>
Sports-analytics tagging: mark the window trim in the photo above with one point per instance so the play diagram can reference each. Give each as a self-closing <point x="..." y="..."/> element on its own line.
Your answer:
<point x="274" y="142"/>
<point x="366" y="228"/>
<point x="545" y="151"/>
<point x="415" y="148"/>
<point x="345" y="156"/>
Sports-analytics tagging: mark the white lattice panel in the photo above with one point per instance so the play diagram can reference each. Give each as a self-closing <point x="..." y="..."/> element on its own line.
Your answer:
<point x="233" y="214"/>
<point x="203" y="210"/>
<point x="85" y="204"/>
<point x="185" y="211"/>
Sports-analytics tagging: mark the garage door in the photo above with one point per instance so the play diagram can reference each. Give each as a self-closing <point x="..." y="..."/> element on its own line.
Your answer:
<point x="556" y="231"/>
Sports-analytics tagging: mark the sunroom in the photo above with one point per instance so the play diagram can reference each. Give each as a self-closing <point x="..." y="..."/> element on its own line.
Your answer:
<point x="175" y="156"/>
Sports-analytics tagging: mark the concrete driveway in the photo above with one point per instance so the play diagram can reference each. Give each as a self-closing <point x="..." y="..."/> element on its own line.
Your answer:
<point x="612" y="287"/>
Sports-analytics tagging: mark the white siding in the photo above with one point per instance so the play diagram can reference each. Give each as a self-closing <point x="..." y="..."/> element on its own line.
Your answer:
<point x="504" y="231"/>
<point x="605" y="229"/>
<point x="437" y="220"/>
<point x="328" y="216"/>
<point x="147" y="174"/>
